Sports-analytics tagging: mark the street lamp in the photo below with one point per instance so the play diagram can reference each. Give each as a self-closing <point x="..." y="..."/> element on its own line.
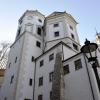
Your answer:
<point x="89" y="50"/>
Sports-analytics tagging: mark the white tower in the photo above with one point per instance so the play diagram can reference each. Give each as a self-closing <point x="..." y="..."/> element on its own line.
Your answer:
<point x="61" y="26"/>
<point x="98" y="38"/>
<point x="21" y="66"/>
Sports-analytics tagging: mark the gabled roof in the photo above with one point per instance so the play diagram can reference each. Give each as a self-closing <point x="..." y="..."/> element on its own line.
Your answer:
<point x="56" y="13"/>
<point x="59" y="43"/>
<point x="72" y="56"/>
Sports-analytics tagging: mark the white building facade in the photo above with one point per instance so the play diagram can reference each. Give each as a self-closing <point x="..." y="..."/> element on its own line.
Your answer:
<point x="30" y="67"/>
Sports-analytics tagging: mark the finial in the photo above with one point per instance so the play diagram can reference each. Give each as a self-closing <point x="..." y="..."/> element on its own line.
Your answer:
<point x="86" y="41"/>
<point x="96" y="31"/>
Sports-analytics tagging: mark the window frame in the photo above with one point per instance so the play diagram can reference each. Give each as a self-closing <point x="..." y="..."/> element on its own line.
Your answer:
<point x="41" y="63"/>
<point x="5" y="98"/>
<point x="56" y="25"/>
<point x="15" y="59"/>
<point x="40" y="20"/>
<point x="51" y="76"/>
<point x="56" y="34"/>
<point x="40" y="81"/>
<point x="66" y="69"/>
<point x="9" y="65"/>
<point x="71" y="27"/>
<point x="38" y="44"/>
<point x="12" y="79"/>
<point x="75" y="46"/>
<point x="40" y="97"/>
<point x="51" y="57"/>
<point x="32" y="58"/>
<point x="30" y="82"/>
<point x="50" y="95"/>
<point x="78" y="64"/>
<point x="27" y="99"/>
<point x="72" y="35"/>
<point x="39" y="31"/>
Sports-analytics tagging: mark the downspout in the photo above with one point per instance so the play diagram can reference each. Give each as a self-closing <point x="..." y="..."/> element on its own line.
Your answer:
<point x="89" y="78"/>
<point x="34" y="79"/>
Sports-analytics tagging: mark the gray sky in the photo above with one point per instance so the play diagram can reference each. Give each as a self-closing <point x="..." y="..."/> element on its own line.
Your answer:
<point x="86" y="13"/>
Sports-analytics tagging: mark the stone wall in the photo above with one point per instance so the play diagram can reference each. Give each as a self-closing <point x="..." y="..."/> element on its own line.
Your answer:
<point x="58" y="79"/>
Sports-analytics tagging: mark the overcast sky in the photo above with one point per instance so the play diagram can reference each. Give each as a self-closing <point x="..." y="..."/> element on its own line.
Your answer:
<point x="86" y="13"/>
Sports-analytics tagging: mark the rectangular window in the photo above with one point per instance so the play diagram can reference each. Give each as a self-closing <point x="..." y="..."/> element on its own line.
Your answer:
<point x="40" y="97"/>
<point x="71" y="27"/>
<point x="12" y="78"/>
<point x="40" y="20"/>
<point x="50" y="95"/>
<point x="39" y="31"/>
<point x="9" y="65"/>
<point x="5" y="98"/>
<point x="27" y="99"/>
<point x="75" y="46"/>
<point x="56" y="34"/>
<point x="51" y="77"/>
<point x="40" y="81"/>
<point x="66" y="69"/>
<point x="51" y="57"/>
<point x="41" y="63"/>
<point x="30" y="82"/>
<point x="38" y="44"/>
<point x="72" y="35"/>
<point x="32" y="59"/>
<point x="78" y="64"/>
<point x="56" y="25"/>
<point x="15" y="59"/>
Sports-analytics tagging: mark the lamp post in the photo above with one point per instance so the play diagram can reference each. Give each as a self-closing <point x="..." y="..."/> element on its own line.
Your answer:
<point x="89" y="50"/>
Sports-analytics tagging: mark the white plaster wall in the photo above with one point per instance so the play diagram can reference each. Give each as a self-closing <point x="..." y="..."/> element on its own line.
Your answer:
<point x="68" y="52"/>
<point x="94" y="82"/>
<point x="77" y="86"/>
<point x="50" y="29"/>
<point x="27" y="68"/>
<point x="44" y="71"/>
<point x="69" y="22"/>
<point x="50" y="44"/>
<point x="8" y="90"/>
